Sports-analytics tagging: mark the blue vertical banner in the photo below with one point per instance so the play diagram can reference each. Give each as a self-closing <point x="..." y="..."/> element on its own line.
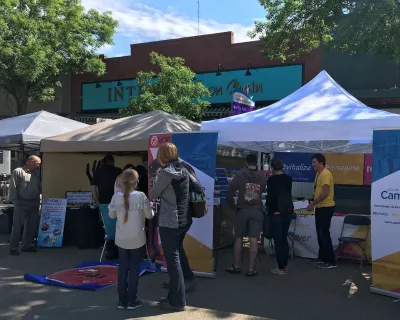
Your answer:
<point x="385" y="212"/>
<point x="197" y="150"/>
<point x="51" y="226"/>
<point x="297" y="165"/>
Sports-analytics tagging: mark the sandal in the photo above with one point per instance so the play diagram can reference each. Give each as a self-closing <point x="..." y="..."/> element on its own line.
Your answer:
<point x="233" y="270"/>
<point x="252" y="273"/>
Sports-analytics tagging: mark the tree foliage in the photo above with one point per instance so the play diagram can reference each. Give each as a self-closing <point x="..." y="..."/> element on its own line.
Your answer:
<point x="295" y="27"/>
<point x="172" y="90"/>
<point x="42" y="39"/>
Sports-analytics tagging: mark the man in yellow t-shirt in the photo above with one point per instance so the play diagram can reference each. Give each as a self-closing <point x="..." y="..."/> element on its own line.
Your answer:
<point x="324" y="206"/>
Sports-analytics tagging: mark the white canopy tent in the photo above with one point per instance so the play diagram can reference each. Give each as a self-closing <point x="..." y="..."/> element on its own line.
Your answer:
<point x="121" y="135"/>
<point x="25" y="132"/>
<point x="319" y="117"/>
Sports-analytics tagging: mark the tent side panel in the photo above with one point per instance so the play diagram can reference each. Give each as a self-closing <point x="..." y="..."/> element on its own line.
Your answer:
<point x="64" y="172"/>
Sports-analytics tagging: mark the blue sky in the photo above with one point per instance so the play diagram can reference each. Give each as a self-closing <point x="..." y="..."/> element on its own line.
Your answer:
<point x="152" y="20"/>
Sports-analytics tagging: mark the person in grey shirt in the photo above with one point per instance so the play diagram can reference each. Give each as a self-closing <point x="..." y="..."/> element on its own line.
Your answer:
<point x="25" y="189"/>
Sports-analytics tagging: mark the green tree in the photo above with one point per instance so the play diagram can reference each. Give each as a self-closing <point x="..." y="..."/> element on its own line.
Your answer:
<point x="295" y="27"/>
<point x="43" y="39"/>
<point x="172" y="90"/>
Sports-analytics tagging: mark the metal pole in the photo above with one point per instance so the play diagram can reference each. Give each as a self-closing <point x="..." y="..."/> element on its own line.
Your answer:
<point x="198" y="17"/>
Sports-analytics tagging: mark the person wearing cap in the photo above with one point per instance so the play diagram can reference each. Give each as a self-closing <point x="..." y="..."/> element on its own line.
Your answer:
<point x="104" y="179"/>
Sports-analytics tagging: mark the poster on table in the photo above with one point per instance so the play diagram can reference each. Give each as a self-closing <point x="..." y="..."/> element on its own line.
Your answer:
<point x="345" y="168"/>
<point x="385" y="212"/>
<point x="51" y="226"/>
<point x="199" y="151"/>
<point x="241" y="102"/>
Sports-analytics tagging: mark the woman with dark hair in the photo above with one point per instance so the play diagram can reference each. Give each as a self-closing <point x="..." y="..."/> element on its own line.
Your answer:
<point x="280" y="208"/>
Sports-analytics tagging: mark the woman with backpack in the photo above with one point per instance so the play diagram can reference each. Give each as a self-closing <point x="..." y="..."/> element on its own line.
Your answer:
<point x="280" y="209"/>
<point x="174" y="220"/>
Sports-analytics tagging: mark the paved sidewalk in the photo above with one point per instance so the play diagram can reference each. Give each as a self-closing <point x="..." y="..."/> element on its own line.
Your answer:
<point x="306" y="293"/>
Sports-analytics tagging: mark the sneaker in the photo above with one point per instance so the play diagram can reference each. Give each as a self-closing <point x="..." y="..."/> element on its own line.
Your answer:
<point x="169" y="307"/>
<point x="190" y="285"/>
<point x="121" y="305"/>
<point x="137" y="304"/>
<point x="278" y="271"/>
<point x="328" y="266"/>
<point x="163" y="300"/>
<point x="316" y="262"/>
<point x="14" y="252"/>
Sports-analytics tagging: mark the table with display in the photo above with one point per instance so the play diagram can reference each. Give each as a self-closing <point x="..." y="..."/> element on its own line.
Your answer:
<point x="306" y="242"/>
<point x="83" y="227"/>
<point x="305" y="238"/>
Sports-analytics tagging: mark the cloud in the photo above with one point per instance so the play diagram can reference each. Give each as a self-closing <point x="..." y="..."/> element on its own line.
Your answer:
<point x="139" y="22"/>
<point x="106" y="48"/>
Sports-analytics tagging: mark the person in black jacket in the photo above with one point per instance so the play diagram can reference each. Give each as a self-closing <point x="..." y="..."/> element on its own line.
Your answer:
<point x="280" y="209"/>
<point x="174" y="221"/>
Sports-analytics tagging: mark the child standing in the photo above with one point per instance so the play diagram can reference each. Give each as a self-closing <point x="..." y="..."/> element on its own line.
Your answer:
<point x="130" y="207"/>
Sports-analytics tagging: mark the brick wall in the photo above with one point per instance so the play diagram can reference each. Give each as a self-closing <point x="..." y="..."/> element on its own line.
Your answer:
<point x="201" y="53"/>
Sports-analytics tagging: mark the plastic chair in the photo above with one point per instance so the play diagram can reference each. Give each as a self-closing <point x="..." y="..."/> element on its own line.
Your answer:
<point x="355" y="220"/>
<point x="109" y="227"/>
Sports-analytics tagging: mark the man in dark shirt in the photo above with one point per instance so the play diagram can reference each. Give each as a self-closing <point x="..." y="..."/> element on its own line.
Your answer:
<point x="104" y="179"/>
<point x="250" y="184"/>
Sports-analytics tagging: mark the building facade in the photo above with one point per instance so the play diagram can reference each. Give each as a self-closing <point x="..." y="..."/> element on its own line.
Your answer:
<point x="222" y="65"/>
<point x="61" y="104"/>
<point x="218" y="62"/>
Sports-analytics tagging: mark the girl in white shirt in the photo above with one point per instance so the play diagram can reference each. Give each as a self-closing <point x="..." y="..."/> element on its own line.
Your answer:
<point x="130" y="207"/>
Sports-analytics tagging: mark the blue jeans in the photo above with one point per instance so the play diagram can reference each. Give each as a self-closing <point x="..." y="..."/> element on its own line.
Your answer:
<point x="128" y="274"/>
<point x="177" y="263"/>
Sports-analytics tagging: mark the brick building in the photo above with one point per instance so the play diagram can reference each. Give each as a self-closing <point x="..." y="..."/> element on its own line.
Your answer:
<point x="240" y="64"/>
<point x="371" y="79"/>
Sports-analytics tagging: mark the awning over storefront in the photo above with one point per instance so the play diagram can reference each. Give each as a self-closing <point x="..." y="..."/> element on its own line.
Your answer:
<point x="121" y="135"/>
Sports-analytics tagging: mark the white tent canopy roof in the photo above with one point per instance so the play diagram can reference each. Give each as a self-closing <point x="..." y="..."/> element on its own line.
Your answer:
<point x="126" y="134"/>
<point x="29" y="129"/>
<point x="319" y="111"/>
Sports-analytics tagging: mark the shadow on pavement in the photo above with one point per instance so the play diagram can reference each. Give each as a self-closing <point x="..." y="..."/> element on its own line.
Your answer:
<point x="304" y="293"/>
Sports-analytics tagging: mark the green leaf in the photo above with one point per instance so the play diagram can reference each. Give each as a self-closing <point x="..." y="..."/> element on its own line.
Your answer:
<point x="172" y="91"/>
<point x="295" y="27"/>
<point x="43" y="39"/>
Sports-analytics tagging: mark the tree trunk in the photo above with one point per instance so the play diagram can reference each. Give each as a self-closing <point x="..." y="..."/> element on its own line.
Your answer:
<point x="22" y="100"/>
<point x="22" y="105"/>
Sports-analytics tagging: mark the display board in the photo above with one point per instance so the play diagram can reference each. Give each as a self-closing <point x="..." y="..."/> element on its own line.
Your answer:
<point x="52" y="219"/>
<point x="79" y="197"/>
<point x="367" y="169"/>
<point x="197" y="150"/>
<point x="345" y="168"/>
<point x="385" y="212"/>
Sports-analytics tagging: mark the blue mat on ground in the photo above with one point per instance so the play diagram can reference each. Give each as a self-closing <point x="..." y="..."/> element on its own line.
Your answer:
<point x="88" y="275"/>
